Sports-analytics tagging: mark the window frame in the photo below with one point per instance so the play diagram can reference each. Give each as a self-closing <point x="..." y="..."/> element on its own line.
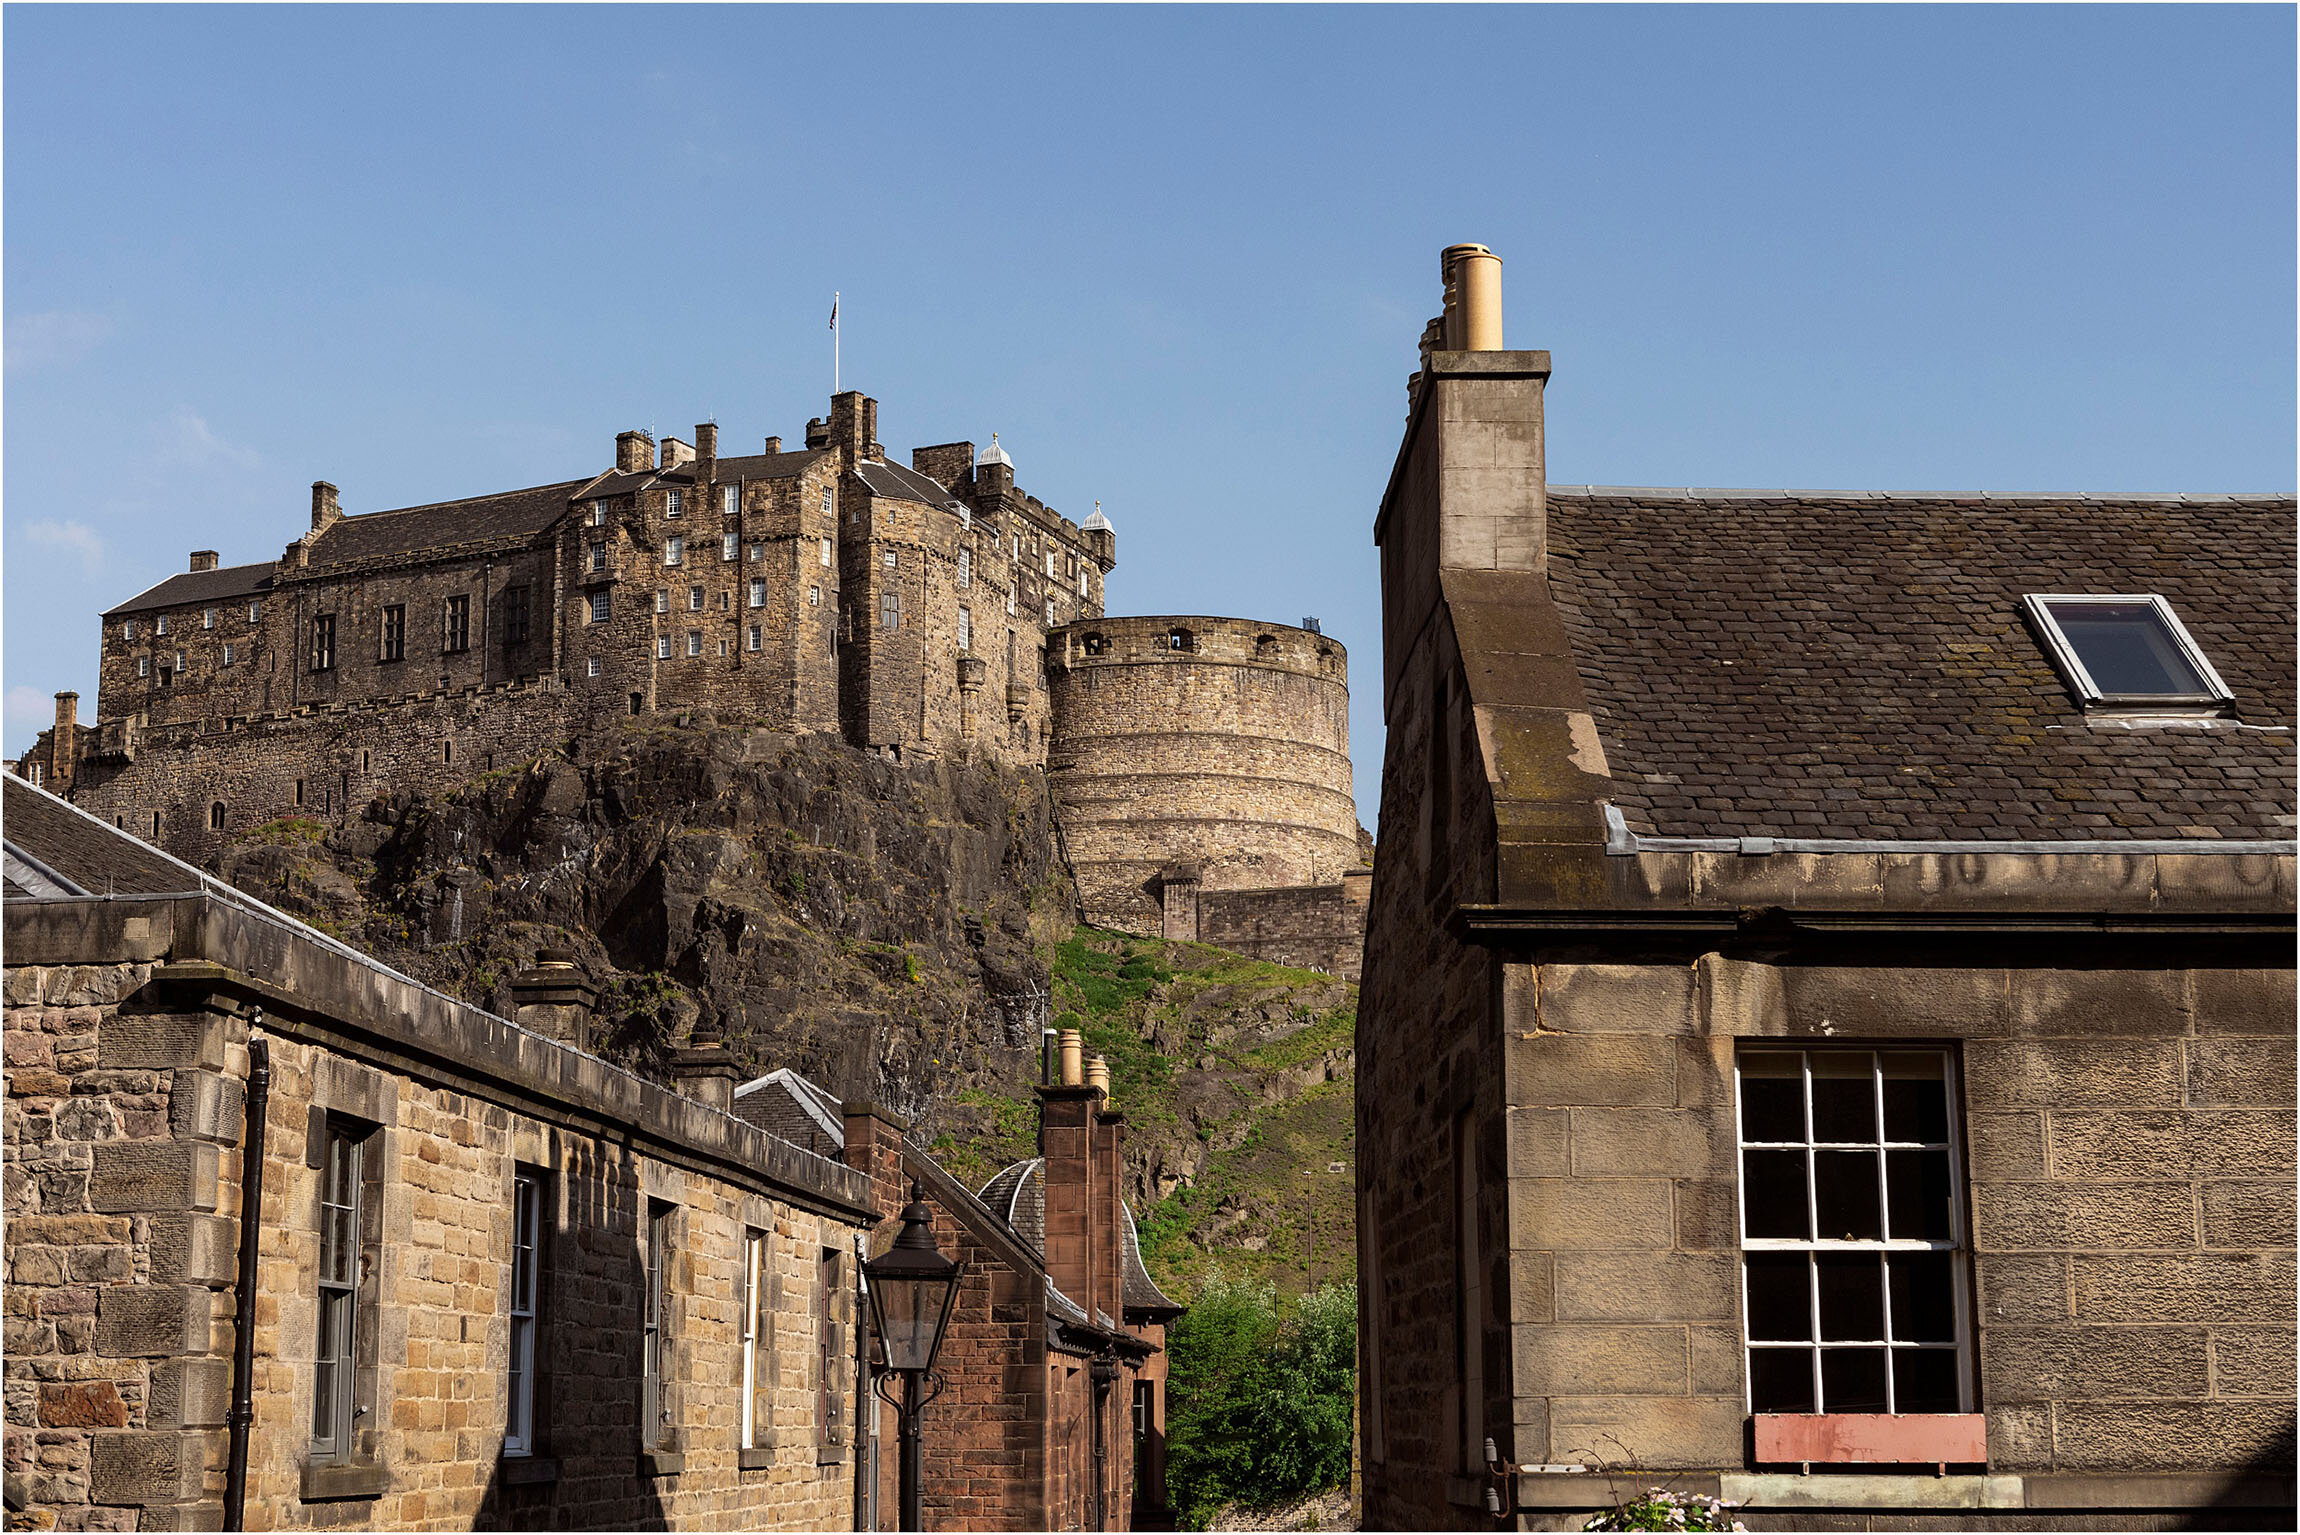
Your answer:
<point x="515" y="614"/>
<point x="730" y="547"/>
<point x="391" y="636"/>
<point x="654" y="1329"/>
<point x="601" y="608"/>
<point x="756" y="595"/>
<point x="348" y="1295"/>
<point x="694" y="599"/>
<point x="323" y="642"/>
<point x="753" y="1295"/>
<point x="2062" y="652"/>
<point x="674" y="504"/>
<point x="524" y="1311"/>
<point x="730" y="500"/>
<point x="694" y="643"/>
<point x="674" y="551"/>
<point x="1957" y="1245"/>
<point x="457" y="619"/>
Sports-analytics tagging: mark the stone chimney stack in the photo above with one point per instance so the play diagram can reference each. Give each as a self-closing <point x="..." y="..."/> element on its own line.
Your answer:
<point x="706" y="451"/>
<point x="203" y="559"/>
<point x="854" y="427"/>
<point x="64" y="744"/>
<point x="1067" y="1133"/>
<point x="818" y="433"/>
<point x="634" y="452"/>
<point x="705" y="1069"/>
<point x="554" y="999"/>
<point x="325" y="510"/>
<point x="675" y="453"/>
<point x="774" y="446"/>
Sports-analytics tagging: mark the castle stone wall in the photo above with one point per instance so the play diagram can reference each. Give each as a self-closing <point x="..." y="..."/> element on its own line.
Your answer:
<point x="1217" y="743"/>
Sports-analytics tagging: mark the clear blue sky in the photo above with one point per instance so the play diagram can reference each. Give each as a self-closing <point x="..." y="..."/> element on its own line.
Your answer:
<point x="1177" y="258"/>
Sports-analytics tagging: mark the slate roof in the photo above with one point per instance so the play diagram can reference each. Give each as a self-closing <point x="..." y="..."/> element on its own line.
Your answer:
<point x="190" y="586"/>
<point x="894" y="480"/>
<point x="787" y="1105"/>
<point x="754" y="466"/>
<point x="50" y="844"/>
<point x="1017" y="1196"/>
<point x="1847" y="664"/>
<point x="409" y="529"/>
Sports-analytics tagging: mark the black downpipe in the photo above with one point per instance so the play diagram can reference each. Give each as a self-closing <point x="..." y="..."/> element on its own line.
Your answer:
<point x="242" y="1416"/>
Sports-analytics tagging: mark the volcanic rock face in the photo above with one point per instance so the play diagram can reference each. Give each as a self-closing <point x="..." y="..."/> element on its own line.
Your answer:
<point x="878" y="926"/>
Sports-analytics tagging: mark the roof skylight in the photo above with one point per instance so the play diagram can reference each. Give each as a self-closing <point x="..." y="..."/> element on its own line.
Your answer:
<point x="2126" y="652"/>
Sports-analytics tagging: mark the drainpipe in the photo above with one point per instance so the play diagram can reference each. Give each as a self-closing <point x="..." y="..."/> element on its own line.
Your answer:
<point x="242" y="1416"/>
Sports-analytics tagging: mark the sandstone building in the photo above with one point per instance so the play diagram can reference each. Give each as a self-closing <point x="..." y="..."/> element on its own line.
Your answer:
<point x="290" y="1230"/>
<point x="1828" y="1006"/>
<point x="928" y="609"/>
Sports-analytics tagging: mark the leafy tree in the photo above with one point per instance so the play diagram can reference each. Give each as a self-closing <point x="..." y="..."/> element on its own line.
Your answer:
<point x="1259" y="1407"/>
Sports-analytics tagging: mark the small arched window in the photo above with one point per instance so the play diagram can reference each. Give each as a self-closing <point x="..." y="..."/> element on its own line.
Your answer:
<point x="1181" y="639"/>
<point x="216" y="816"/>
<point x="1094" y="644"/>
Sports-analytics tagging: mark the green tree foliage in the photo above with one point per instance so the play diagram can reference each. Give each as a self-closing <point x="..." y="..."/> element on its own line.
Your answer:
<point x="1259" y="1405"/>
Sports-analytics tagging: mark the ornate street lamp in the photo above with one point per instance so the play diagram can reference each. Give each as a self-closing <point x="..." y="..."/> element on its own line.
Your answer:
<point x="912" y="1290"/>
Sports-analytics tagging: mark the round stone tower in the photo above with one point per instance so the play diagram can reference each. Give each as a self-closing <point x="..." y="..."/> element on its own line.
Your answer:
<point x="1197" y="753"/>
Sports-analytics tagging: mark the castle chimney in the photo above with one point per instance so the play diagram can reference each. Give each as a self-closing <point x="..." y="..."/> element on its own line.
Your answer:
<point x="818" y="433"/>
<point x="634" y="452"/>
<point x="324" y="508"/>
<point x="554" y="999"/>
<point x="1098" y="1076"/>
<point x="64" y="744"/>
<point x="675" y="453"/>
<point x="707" y="450"/>
<point x="1073" y="1063"/>
<point x="774" y="446"/>
<point x="854" y="427"/>
<point x="705" y="1069"/>
<point x="1066" y="1137"/>
<point x="1472" y="298"/>
<point x="203" y="559"/>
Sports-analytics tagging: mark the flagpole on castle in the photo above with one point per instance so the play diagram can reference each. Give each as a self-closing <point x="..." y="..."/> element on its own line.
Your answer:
<point x="834" y="343"/>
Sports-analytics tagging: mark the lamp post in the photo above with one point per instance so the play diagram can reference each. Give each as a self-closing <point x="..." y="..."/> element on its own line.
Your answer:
<point x="912" y="1289"/>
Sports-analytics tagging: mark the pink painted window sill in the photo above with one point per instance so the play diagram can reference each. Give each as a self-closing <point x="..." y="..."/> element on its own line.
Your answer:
<point x="1872" y="1438"/>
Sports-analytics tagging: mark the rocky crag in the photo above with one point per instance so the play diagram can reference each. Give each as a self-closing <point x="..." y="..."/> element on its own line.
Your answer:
<point x="898" y="932"/>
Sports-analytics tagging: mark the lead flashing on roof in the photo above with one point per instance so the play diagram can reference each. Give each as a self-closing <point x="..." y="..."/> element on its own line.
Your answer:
<point x="1621" y="842"/>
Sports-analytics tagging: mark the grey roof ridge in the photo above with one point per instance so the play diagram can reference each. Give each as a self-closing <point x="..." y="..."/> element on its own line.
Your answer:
<point x="810" y="1097"/>
<point x="1621" y="842"/>
<point x="221" y="570"/>
<point x="1734" y="493"/>
<point x="491" y="495"/>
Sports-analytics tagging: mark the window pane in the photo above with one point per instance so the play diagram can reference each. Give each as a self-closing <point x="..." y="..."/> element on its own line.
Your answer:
<point x="1925" y="1379"/>
<point x="1852" y="1380"/>
<point x="1916" y="1099"/>
<point x="1845" y="1196"/>
<point x="1780" y="1298"/>
<point x="1844" y="1097"/>
<point x="1780" y="1380"/>
<point x="1924" y="1297"/>
<point x="1773" y="1097"/>
<point x="1918" y="1184"/>
<point x="1773" y="1193"/>
<point x="1852" y="1288"/>
<point x="2125" y="647"/>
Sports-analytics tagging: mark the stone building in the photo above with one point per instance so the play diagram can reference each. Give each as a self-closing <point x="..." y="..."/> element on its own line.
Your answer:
<point x="1828" y="1006"/>
<point x="1201" y="771"/>
<point x="496" y="1282"/>
<point x="1052" y="1411"/>
<point x="827" y="588"/>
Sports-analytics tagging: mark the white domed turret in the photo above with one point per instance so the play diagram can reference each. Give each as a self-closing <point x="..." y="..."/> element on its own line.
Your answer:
<point x="994" y="454"/>
<point x="1097" y="523"/>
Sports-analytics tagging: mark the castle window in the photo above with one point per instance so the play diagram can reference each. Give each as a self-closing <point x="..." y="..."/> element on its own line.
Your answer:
<point x="751" y="638"/>
<point x="591" y="667"/>
<point x="654" y="1412"/>
<point x="227" y="655"/>
<point x="890" y="610"/>
<point x="128" y="625"/>
<point x="758" y="552"/>
<point x="347" y="1214"/>
<point x="598" y="556"/>
<point x="1049" y="564"/>
<point x="694" y="599"/>
<point x="674" y="551"/>
<point x="1010" y="602"/>
<point x="694" y="642"/>
<point x="758" y="592"/>
<point x="890" y="559"/>
<point x="826" y="500"/>
<point x="1181" y="639"/>
<point x="598" y="514"/>
<point x="526" y="1259"/>
<point x="216" y="816"/>
<point x="160" y="624"/>
<point x="38" y="774"/>
<point x="965" y="629"/>
<point x="515" y="615"/>
<point x="447" y="753"/>
<point x="662" y="647"/>
<point x="207" y="618"/>
<point x="726" y="601"/>
<point x="1094" y="644"/>
<point x="1050" y="612"/>
<point x="323" y="642"/>
<point x="730" y="499"/>
<point x="299" y="791"/>
<point x="1084" y="590"/>
<point x="674" y="504"/>
<point x="255" y="611"/>
<point x="662" y="599"/>
<point x="155" y="826"/>
<point x="750" y="1306"/>
<point x="363" y="762"/>
<point x="965" y="569"/>
<point x="722" y="647"/>
<point x="730" y="546"/>
<point x="143" y="666"/>
<point x="180" y="668"/>
<point x="814" y="596"/>
<point x="825" y="555"/>
<point x="602" y="607"/>
<point x="638" y="703"/>
<point x="458" y="623"/>
<point x="1018" y="546"/>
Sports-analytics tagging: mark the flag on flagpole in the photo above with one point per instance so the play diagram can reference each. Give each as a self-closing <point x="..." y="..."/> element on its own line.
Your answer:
<point x="834" y="311"/>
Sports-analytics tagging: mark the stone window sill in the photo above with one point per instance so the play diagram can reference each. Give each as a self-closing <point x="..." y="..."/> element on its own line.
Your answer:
<point x="661" y="1462"/>
<point x="349" y="1479"/>
<point x="757" y="1459"/>
<point x="527" y="1470"/>
<point x="830" y="1454"/>
<point x="1871" y="1438"/>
